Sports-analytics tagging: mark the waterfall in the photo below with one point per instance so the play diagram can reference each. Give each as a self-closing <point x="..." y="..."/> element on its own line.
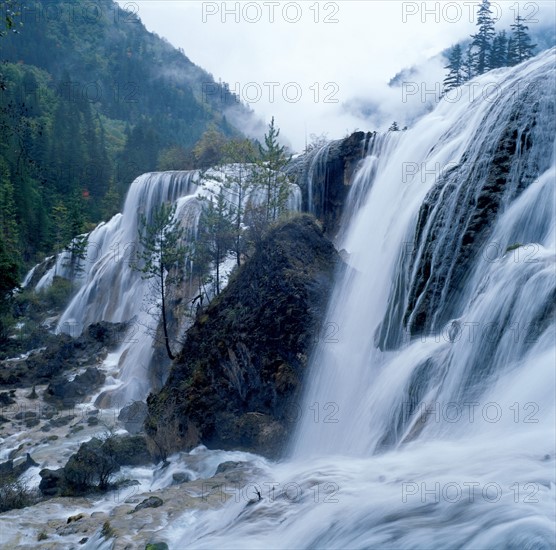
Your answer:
<point x="110" y="290"/>
<point x="419" y="219"/>
<point x="429" y="420"/>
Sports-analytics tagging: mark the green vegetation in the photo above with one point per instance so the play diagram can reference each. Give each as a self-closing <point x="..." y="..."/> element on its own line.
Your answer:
<point x="160" y="256"/>
<point x="488" y="49"/>
<point x="89" y="100"/>
<point x="15" y="494"/>
<point x="230" y="208"/>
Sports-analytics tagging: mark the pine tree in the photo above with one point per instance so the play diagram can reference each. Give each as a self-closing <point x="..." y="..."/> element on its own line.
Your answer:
<point x="482" y="41"/>
<point x="269" y="174"/>
<point x="499" y="52"/>
<point x="520" y="47"/>
<point x="394" y="127"/>
<point x="468" y="61"/>
<point x="455" y="76"/>
<point x="215" y="236"/>
<point x="161" y="253"/>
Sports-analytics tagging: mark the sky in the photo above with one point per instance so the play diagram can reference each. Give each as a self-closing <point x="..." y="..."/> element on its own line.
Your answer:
<point x="323" y="67"/>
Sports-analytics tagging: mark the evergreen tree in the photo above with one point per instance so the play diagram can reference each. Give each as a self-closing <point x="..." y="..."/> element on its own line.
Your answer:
<point x="9" y="233"/>
<point x="499" y="51"/>
<point x="269" y="175"/>
<point x="159" y="257"/>
<point x="215" y="236"/>
<point x="455" y="76"/>
<point x="237" y="181"/>
<point x="520" y="47"/>
<point x="482" y="41"/>
<point x="468" y="61"/>
<point x="394" y="127"/>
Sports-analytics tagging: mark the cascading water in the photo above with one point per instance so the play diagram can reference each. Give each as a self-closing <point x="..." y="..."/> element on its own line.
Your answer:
<point x="110" y="290"/>
<point x="430" y="421"/>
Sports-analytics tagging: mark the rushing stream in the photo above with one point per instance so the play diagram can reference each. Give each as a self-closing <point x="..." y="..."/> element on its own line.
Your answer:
<point x="446" y="437"/>
<point x="428" y="419"/>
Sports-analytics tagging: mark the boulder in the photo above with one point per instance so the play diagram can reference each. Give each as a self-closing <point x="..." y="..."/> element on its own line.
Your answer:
<point x="52" y="482"/>
<point x="133" y="416"/>
<point x="70" y="392"/>
<point x="151" y="502"/>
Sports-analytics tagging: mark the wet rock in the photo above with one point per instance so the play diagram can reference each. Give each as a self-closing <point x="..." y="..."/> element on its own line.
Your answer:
<point x="32" y="422"/>
<point x="61" y="421"/>
<point x="6" y="468"/>
<point x="180" y="477"/>
<point x="94" y="464"/>
<point x="92" y="421"/>
<point x="71" y="392"/>
<point x="331" y="180"/>
<point x="6" y="399"/>
<point x="23" y="464"/>
<point x="52" y="482"/>
<point x="16" y="467"/>
<point x="23" y="415"/>
<point x="227" y="466"/>
<point x="77" y="517"/>
<point x="133" y="416"/>
<point x="60" y="353"/>
<point x="129" y="450"/>
<point x="151" y="502"/>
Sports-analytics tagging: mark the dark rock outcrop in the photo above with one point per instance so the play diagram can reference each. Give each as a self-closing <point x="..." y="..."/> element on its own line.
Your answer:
<point x="133" y="416"/>
<point x="70" y="392"/>
<point x="331" y="171"/>
<point x="62" y="352"/>
<point x="245" y="357"/>
<point x="151" y="502"/>
<point x="52" y="482"/>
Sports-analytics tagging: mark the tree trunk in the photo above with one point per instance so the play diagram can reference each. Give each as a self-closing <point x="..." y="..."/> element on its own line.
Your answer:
<point x="217" y="270"/>
<point x="164" y="322"/>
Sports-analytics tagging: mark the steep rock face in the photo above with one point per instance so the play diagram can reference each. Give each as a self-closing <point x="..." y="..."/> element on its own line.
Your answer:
<point x="242" y="365"/>
<point x="457" y="216"/>
<point x="324" y="176"/>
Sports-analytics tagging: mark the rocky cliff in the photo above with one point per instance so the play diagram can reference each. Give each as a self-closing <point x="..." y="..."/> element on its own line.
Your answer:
<point x="240" y="372"/>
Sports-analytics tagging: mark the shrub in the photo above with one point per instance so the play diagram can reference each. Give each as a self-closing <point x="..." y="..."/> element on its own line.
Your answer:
<point x="15" y="494"/>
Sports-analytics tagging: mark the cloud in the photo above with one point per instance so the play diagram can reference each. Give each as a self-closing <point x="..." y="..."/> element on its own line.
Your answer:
<point x="324" y="67"/>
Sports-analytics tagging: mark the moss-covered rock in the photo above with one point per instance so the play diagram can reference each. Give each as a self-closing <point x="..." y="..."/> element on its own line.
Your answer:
<point x="244" y="359"/>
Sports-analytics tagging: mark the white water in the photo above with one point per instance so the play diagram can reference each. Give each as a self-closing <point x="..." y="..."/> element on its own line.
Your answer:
<point x="110" y="290"/>
<point x="447" y="440"/>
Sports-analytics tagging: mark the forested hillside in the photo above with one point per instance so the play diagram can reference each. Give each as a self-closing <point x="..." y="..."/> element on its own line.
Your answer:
<point x="89" y="99"/>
